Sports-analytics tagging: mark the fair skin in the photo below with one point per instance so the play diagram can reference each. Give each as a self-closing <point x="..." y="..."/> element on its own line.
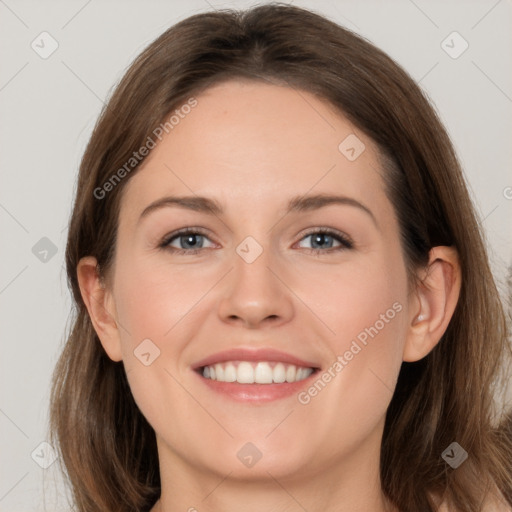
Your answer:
<point x="252" y="147"/>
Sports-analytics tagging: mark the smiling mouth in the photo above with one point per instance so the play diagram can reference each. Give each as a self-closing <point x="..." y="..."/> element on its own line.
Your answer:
<point x="251" y="372"/>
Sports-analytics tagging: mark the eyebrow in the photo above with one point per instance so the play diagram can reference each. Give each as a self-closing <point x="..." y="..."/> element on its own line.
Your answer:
<point x="296" y="204"/>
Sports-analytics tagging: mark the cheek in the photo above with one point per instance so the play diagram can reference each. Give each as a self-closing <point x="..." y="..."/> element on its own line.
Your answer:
<point x="364" y="307"/>
<point x="161" y="303"/>
<point x="356" y="298"/>
<point x="356" y="313"/>
<point x="155" y="302"/>
<point x="152" y="298"/>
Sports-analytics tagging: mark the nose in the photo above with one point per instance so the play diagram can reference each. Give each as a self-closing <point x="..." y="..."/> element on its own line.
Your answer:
<point x="256" y="293"/>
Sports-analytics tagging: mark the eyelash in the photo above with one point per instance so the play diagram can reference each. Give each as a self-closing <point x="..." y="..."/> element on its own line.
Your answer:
<point x="346" y="242"/>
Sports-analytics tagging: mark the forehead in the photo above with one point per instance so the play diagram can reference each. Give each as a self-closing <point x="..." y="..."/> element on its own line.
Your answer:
<point x="254" y="145"/>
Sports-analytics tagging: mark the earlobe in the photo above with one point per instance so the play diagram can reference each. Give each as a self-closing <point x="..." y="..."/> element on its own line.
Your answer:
<point x="437" y="297"/>
<point x="100" y="306"/>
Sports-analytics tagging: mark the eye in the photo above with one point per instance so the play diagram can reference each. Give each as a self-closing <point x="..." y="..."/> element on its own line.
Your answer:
<point x="188" y="238"/>
<point x="322" y="239"/>
<point x="189" y="241"/>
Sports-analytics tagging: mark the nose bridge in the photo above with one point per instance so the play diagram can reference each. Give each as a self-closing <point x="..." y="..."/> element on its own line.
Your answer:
<point x="253" y="263"/>
<point x="255" y="292"/>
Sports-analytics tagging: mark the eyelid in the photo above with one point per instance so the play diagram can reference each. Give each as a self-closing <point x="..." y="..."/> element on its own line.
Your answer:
<point x="345" y="240"/>
<point x="330" y="231"/>
<point x="189" y="229"/>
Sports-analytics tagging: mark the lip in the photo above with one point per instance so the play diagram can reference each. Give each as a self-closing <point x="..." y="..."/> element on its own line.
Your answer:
<point x="260" y="354"/>
<point x="255" y="393"/>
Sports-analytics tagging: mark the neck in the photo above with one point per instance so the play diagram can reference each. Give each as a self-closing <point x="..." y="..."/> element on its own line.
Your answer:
<point x="352" y="485"/>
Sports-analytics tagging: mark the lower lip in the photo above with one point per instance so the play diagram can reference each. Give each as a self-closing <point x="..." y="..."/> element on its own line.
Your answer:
<point x="257" y="393"/>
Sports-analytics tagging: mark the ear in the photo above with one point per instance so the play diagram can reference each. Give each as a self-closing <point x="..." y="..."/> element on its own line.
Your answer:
<point x="100" y="305"/>
<point x="436" y="299"/>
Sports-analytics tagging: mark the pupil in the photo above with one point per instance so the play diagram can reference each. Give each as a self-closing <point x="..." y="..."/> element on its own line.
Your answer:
<point x="190" y="239"/>
<point x="319" y="238"/>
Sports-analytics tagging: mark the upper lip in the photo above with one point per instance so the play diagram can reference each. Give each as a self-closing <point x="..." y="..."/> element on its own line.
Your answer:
<point x="247" y="354"/>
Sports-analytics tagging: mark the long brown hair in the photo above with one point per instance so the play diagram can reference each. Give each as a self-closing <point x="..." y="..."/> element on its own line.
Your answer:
<point x="107" y="448"/>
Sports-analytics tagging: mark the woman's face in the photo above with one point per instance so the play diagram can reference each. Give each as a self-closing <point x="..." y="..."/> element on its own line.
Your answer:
<point x="267" y="294"/>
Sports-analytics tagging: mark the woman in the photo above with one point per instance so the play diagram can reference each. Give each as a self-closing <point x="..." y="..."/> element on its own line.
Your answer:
<point x="252" y="372"/>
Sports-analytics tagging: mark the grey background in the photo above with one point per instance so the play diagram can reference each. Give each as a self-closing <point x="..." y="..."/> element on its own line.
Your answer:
<point x="48" y="108"/>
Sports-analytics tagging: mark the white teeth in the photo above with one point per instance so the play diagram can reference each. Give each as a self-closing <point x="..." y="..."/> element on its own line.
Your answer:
<point x="291" y="371"/>
<point x="245" y="373"/>
<point x="229" y="373"/>
<point x="279" y="373"/>
<point x="219" y="372"/>
<point x="262" y="372"/>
